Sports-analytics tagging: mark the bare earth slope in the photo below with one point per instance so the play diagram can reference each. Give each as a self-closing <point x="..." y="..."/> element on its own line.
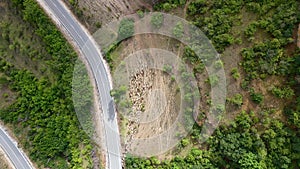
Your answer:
<point x="94" y="13"/>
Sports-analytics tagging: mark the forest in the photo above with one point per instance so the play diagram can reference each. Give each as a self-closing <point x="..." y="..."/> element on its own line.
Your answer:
<point x="42" y="115"/>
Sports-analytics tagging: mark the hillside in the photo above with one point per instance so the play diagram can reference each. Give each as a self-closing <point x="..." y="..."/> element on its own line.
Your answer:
<point x="257" y="42"/>
<point x="36" y="69"/>
<point x="258" y="46"/>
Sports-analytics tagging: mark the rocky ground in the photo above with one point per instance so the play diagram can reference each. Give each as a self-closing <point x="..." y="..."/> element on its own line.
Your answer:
<point x="154" y="106"/>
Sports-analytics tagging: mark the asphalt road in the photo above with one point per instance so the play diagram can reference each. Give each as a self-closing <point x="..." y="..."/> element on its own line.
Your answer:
<point x="101" y="75"/>
<point x="12" y="151"/>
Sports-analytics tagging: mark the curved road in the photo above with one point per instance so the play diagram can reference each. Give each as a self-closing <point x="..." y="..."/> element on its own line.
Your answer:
<point x="84" y="41"/>
<point x="18" y="159"/>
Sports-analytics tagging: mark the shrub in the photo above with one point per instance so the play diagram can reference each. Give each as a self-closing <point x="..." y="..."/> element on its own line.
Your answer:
<point x="98" y="24"/>
<point x="236" y="100"/>
<point x="157" y="20"/>
<point x="178" y="30"/>
<point x="5" y="95"/>
<point x="126" y="29"/>
<point x="213" y="80"/>
<point x="167" y="68"/>
<point x="251" y="29"/>
<point x="185" y="142"/>
<point x="3" y="80"/>
<point x="235" y="74"/>
<point x="256" y="97"/>
<point x="218" y="64"/>
<point x="285" y="92"/>
<point x="140" y="13"/>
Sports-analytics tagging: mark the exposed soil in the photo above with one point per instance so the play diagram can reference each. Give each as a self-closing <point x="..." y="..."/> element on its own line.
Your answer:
<point x="142" y="87"/>
<point x="153" y="94"/>
<point x="93" y="14"/>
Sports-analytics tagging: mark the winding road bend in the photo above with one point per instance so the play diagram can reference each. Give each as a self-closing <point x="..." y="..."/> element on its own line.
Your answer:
<point x="60" y="14"/>
<point x="18" y="159"/>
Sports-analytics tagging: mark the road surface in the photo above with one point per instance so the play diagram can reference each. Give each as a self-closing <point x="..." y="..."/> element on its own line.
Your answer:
<point x="92" y="54"/>
<point x="14" y="154"/>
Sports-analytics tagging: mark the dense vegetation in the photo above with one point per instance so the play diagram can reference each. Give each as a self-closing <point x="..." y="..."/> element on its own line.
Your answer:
<point x="237" y="146"/>
<point x="262" y="138"/>
<point x="43" y="113"/>
<point x="256" y="139"/>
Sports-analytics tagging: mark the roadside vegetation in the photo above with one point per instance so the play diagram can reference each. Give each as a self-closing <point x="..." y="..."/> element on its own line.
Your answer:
<point x="36" y="65"/>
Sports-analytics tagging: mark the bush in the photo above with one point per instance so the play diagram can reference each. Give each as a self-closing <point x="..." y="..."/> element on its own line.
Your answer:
<point x="251" y="29"/>
<point x="199" y="6"/>
<point x="157" y="20"/>
<point x="98" y="24"/>
<point x="3" y="80"/>
<point x="256" y="97"/>
<point x="185" y="142"/>
<point x="167" y="6"/>
<point x="236" y="100"/>
<point x="218" y="64"/>
<point x="245" y="84"/>
<point x="5" y="95"/>
<point x="126" y="29"/>
<point x="213" y="80"/>
<point x="178" y="30"/>
<point x="167" y="68"/>
<point x="285" y="92"/>
<point x="118" y="93"/>
<point x="235" y="74"/>
<point x="263" y="59"/>
<point x="140" y="13"/>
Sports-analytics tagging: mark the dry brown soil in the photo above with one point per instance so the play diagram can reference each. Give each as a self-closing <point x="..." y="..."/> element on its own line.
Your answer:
<point x="95" y="12"/>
